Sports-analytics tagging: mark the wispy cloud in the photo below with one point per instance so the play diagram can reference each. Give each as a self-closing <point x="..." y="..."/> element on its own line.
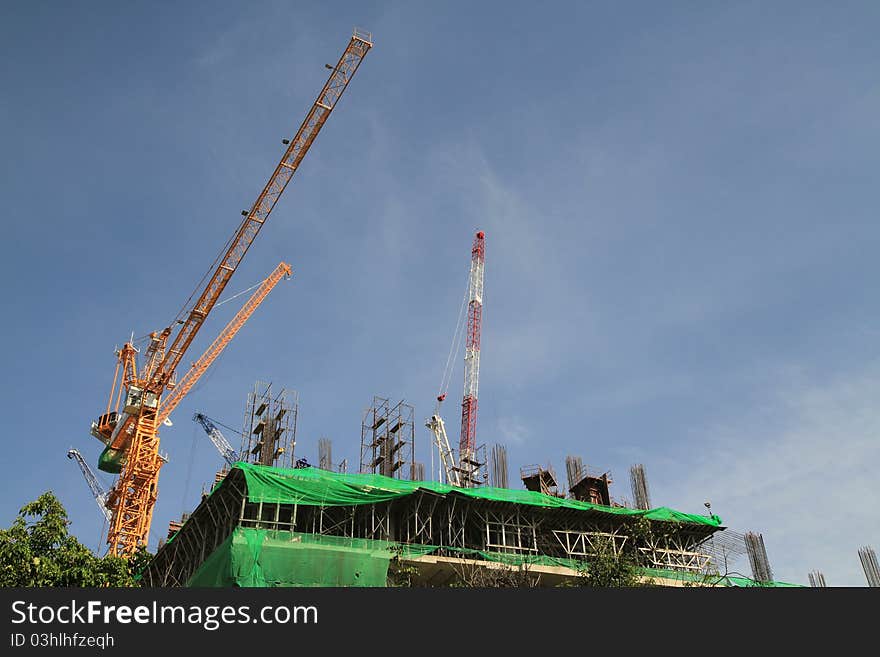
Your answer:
<point x="802" y="470"/>
<point x="513" y="430"/>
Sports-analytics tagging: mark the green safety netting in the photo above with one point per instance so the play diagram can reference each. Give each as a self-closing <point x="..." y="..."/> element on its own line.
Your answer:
<point x="316" y="487"/>
<point x="264" y="558"/>
<point x="269" y="558"/>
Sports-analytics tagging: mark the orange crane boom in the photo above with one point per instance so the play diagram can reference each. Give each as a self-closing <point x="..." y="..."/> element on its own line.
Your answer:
<point x="129" y="428"/>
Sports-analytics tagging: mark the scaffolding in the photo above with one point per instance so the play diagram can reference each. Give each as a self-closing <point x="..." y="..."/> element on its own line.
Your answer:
<point x="539" y="479"/>
<point x="473" y="467"/>
<point x="388" y="439"/>
<point x="269" y="429"/>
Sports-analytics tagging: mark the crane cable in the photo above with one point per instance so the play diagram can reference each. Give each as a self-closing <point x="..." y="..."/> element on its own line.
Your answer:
<point x="453" y="348"/>
<point x="207" y="376"/>
<point x="144" y="338"/>
<point x="189" y="467"/>
<point x="235" y="296"/>
<point x="223" y="251"/>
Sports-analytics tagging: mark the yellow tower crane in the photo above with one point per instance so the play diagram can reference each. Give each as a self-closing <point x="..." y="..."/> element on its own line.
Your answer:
<point x="130" y="427"/>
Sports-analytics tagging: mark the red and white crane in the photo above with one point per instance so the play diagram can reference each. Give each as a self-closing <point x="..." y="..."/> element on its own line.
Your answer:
<point x="467" y="472"/>
<point x="468" y="440"/>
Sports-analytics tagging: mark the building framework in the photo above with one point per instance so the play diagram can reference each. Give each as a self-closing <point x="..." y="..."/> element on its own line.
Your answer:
<point x="454" y="522"/>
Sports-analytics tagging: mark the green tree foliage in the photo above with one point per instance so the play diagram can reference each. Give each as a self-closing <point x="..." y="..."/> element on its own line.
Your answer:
<point x="608" y="568"/>
<point x="399" y="573"/>
<point x="37" y="550"/>
<point x="612" y="567"/>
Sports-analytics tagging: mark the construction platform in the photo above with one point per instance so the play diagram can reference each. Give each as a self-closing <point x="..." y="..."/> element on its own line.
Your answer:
<point x="266" y="526"/>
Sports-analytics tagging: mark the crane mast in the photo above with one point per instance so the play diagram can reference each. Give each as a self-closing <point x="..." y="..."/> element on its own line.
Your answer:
<point x="95" y="486"/>
<point x="217" y="437"/>
<point x="131" y="436"/>
<point x="467" y="443"/>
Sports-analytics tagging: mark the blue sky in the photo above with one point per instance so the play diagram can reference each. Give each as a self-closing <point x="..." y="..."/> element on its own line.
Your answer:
<point x="679" y="202"/>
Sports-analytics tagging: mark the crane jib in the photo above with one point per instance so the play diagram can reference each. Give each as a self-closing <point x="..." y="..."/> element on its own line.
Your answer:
<point x="250" y="227"/>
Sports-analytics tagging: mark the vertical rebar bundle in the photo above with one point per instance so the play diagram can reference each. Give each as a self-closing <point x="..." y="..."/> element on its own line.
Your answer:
<point x="574" y="466"/>
<point x="869" y="563"/>
<point x="639" y="483"/>
<point x="325" y="454"/>
<point x="498" y="461"/>
<point x="418" y="472"/>
<point x="817" y="580"/>
<point x="758" y="560"/>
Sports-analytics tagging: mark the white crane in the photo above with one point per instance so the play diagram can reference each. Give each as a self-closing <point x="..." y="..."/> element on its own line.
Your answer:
<point x="447" y="457"/>
<point x="465" y="472"/>
<point x="98" y="491"/>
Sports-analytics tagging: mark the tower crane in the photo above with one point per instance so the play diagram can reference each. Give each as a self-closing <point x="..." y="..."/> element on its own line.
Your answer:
<point x="468" y="439"/>
<point x="131" y="436"/>
<point x="116" y="459"/>
<point x="466" y="472"/>
<point x="95" y="486"/>
<point x="220" y="442"/>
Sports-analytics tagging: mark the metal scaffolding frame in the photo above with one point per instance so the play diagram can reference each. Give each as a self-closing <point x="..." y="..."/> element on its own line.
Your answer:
<point x="269" y="428"/>
<point x="388" y="439"/>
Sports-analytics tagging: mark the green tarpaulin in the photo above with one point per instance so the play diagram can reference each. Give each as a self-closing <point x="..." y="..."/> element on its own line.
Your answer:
<point x="315" y="487"/>
<point x="264" y="558"/>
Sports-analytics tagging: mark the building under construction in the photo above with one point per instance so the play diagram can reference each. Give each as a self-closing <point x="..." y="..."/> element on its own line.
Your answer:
<point x="269" y="526"/>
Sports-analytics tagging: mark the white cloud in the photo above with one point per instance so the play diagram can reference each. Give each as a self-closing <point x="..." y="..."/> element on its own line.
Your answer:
<point x="802" y="470"/>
